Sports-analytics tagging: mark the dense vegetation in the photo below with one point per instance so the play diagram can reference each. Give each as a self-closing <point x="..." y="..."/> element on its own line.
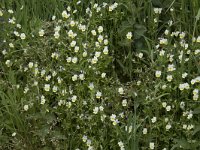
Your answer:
<point x="99" y="74"/>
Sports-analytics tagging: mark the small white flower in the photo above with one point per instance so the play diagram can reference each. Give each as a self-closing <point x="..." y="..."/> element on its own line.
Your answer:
<point x="158" y="74"/>
<point x="144" y="131"/>
<point x="105" y="50"/>
<point x="30" y="65"/>
<point x="55" y="89"/>
<point x="184" y="75"/>
<point x="26" y="107"/>
<point x="74" y="77"/>
<point x="65" y="14"/>
<point x="81" y="76"/>
<point x="164" y="104"/>
<point x="41" y="32"/>
<point x="168" y="108"/>
<point x="103" y="75"/>
<point x="74" y="98"/>
<point x="93" y="32"/>
<point x="1" y="13"/>
<point x="13" y="134"/>
<point x="169" y="78"/>
<point x="95" y="110"/>
<point x="47" y="87"/>
<point x="56" y="35"/>
<point x="129" y="35"/>
<point x="94" y="60"/>
<point x="151" y="145"/>
<point x="73" y="44"/>
<point x="98" y="95"/>
<point x="113" y="117"/>
<point x="168" y="126"/>
<point x="42" y="100"/>
<point x="22" y="36"/>
<point x="74" y="60"/>
<point x="100" y="29"/>
<point x="121" y="90"/>
<point x="91" y="86"/>
<point x="84" y="138"/>
<point x="124" y="103"/>
<point x="154" y="119"/>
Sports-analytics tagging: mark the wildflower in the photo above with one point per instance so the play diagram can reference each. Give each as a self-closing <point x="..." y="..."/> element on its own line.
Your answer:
<point x="56" y="35"/>
<point x="74" y="98"/>
<point x="151" y="145"/>
<point x="11" y="45"/>
<point x="153" y="120"/>
<point x="42" y="100"/>
<point x="182" y="35"/>
<point x="95" y="110"/>
<point x="74" y="60"/>
<point x="55" y="89"/>
<point x="93" y="32"/>
<point x="47" y="87"/>
<point x="65" y="14"/>
<point x="171" y="67"/>
<point x="157" y="10"/>
<point x="168" y="126"/>
<point x="103" y="75"/>
<point x="129" y="35"/>
<point x="184" y="75"/>
<point x="158" y="74"/>
<point x="72" y="23"/>
<point x="13" y="134"/>
<point x="101" y="108"/>
<point x="121" y="90"/>
<point x="1" y="13"/>
<point x="100" y="38"/>
<point x="85" y="54"/>
<point x="41" y="32"/>
<point x="73" y="44"/>
<point x="105" y="50"/>
<point x="94" y="60"/>
<point x="30" y="65"/>
<point x="164" y="104"/>
<point x="22" y="36"/>
<point x="140" y="55"/>
<point x="113" y="117"/>
<point x="26" y="107"/>
<point x="198" y="39"/>
<point x="168" y="108"/>
<point x="84" y="138"/>
<point x="163" y="41"/>
<point x="100" y="29"/>
<point x="124" y="103"/>
<point x="8" y="63"/>
<point x="105" y="42"/>
<point x="76" y="49"/>
<point x="91" y="86"/>
<point x="74" y="77"/>
<point x="144" y="131"/>
<point x="97" y="54"/>
<point x="169" y="78"/>
<point x="98" y="95"/>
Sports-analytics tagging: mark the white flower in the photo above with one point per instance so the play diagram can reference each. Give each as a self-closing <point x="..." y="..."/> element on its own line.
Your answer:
<point x="74" y="77"/>
<point x="47" y="87"/>
<point x="41" y="32"/>
<point x="182" y="35"/>
<point x="100" y="29"/>
<point x="153" y="120"/>
<point x="73" y="44"/>
<point x="74" y="60"/>
<point x="98" y="95"/>
<point x="198" y="39"/>
<point x="72" y="23"/>
<point x="81" y="76"/>
<point x="113" y="117"/>
<point x="30" y="65"/>
<point x="158" y="73"/>
<point x="184" y="75"/>
<point x="65" y="14"/>
<point x="129" y="35"/>
<point x="144" y="131"/>
<point x="164" y="104"/>
<point x="168" y="108"/>
<point x="95" y="110"/>
<point x="76" y="49"/>
<point x="10" y="11"/>
<point x="91" y="86"/>
<point x="169" y="78"/>
<point x="84" y="138"/>
<point x="100" y="38"/>
<point x="84" y="54"/>
<point x="168" y="126"/>
<point x="166" y="32"/>
<point x="93" y="32"/>
<point x="94" y="60"/>
<point x="163" y="41"/>
<point x="55" y="89"/>
<point x="26" y="107"/>
<point x="105" y="42"/>
<point x="140" y="55"/>
<point x="56" y="35"/>
<point x="195" y="97"/>
<point x="151" y="145"/>
<point x="8" y="63"/>
<point x="14" y="134"/>
<point x="74" y="98"/>
<point x="103" y="75"/>
<point x="1" y="13"/>
<point x="22" y="36"/>
<point x="157" y="10"/>
<point x="42" y="100"/>
<point x="171" y="67"/>
<point x="121" y="144"/>
<point x="101" y="108"/>
<point x="121" y="90"/>
<point x="105" y="50"/>
<point x="97" y="54"/>
<point x="124" y="103"/>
